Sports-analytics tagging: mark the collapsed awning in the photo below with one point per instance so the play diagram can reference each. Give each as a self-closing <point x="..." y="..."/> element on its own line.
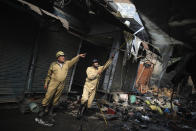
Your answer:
<point x="42" y="12"/>
<point x="72" y="24"/>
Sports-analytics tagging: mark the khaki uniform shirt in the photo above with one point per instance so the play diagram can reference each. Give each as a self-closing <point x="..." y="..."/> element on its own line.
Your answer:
<point x="58" y="73"/>
<point x="92" y="75"/>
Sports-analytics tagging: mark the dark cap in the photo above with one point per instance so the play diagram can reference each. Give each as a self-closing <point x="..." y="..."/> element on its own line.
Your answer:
<point x="94" y="61"/>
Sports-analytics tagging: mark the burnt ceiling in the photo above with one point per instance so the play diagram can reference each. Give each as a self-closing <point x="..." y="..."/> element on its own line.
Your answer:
<point x="176" y="18"/>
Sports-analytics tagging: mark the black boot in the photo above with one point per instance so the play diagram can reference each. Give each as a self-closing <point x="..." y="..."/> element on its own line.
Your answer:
<point x="40" y="119"/>
<point x="43" y="111"/>
<point x="81" y="111"/>
<point x="51" y="112"/>
<point x="51" y="115"/>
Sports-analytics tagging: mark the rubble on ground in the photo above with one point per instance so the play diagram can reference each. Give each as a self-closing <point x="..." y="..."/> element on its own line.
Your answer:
<point x="141" y="111"/>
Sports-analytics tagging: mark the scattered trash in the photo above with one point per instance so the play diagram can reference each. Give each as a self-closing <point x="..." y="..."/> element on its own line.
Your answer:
<point x="124" y="97"/>
<point x="144" y="126"/>
<point x="34" y="107"/>
<point x="146" y="118"/>
<point x="156" y="108"/>
<point x="193" y="115"/>
<point x="135" y="111"/>
<point x="104" y="109"/>
<point x="125" y="127"/>
<point x="167" y="110"/>
<point x="42" y="122"/>
<point x="147" y="102"/>
<point x="111" y="111"/>
<point x="132" y="99"/>
<point x="125" y="104"/>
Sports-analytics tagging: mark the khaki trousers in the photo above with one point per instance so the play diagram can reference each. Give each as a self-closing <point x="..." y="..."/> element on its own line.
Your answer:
<point x="88" y="95"/>
<point x="53" y="93"/>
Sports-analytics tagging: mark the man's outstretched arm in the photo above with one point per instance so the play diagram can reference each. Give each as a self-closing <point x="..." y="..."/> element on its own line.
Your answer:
<point x="75" y="59"/>
<point x="108" y="62"/>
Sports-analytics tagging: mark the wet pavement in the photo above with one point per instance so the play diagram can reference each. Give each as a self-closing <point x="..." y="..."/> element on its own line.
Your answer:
<point x="13" y="120"/>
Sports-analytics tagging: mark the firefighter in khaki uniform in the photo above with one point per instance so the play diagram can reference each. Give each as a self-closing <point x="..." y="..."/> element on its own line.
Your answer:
<point x="55" y="81"/>
<point x="93" y="73"/>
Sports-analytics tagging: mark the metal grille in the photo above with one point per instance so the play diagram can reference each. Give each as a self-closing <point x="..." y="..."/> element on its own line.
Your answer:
<point x="14" y="59"/>
<point x="16" y="43"/>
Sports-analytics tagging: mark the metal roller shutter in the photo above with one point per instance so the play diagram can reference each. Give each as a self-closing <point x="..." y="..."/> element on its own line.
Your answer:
<point x="14" y="67"/>
<point x="50" y="43"/>
<point x="16" y="43"/>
